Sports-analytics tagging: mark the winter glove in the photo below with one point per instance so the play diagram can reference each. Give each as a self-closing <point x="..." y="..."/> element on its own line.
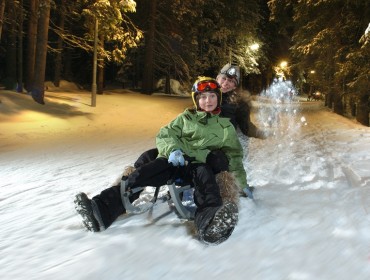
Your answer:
<point x="218" y="161"/>
<point x="248" y="192"/>
<point x="176" y="158"/>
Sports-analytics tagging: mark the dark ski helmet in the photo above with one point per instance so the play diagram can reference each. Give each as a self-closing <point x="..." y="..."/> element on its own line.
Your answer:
<point x="232" y="72"/>
<point x="205" y="84"/>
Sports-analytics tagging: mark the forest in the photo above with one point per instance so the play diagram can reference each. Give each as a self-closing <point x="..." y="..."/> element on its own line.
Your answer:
<point x="321" y="46"/>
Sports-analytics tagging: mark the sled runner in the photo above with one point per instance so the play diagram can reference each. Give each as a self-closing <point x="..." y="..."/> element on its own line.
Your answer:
<point x="175" y="196"/>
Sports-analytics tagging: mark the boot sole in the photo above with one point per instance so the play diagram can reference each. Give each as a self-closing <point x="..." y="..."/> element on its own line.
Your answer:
<point x="222" y="225"/>
<point x="84" y="208"/>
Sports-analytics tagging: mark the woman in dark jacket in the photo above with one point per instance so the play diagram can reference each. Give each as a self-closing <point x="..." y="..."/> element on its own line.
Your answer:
<point x="236" y="105"/>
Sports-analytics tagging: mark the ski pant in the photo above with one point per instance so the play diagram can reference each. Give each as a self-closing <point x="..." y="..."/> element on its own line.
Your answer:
<point x="157" y="173"/>
<point x="216" y="159"/>
<point x="146" y="157"/>
<point x="207" y="206"/>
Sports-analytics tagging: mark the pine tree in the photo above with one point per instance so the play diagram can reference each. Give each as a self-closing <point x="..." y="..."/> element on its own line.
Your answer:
<point x="325" y="46"/>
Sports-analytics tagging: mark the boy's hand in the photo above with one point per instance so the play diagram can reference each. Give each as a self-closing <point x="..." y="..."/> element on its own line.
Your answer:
<point x="176" y="158"/>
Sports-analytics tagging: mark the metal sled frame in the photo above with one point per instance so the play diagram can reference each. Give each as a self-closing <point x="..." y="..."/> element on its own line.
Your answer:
<point x="175" y="193"/>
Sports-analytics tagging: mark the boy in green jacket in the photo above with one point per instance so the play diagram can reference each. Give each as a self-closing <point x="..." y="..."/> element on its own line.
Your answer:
<point x="234" y="105"/>
<point x="188" y="150"/>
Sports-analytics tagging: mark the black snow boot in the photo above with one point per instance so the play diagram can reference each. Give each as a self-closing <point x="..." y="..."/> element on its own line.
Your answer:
<point x="89" y="212"/>
<point x="221" y="226"/>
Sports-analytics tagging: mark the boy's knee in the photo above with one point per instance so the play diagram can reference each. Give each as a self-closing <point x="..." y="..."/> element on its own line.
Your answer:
<point x="146" y="157"/>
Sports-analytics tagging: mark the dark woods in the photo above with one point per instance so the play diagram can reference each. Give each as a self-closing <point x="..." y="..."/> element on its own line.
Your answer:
<point x="146" y="44"/>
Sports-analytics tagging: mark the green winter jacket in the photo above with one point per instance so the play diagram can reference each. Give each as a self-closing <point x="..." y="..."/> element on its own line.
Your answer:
<point x="197" y="133"/>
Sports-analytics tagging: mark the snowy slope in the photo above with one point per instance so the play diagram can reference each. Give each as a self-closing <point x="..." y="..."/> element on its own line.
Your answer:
<point x="310" y="218"/>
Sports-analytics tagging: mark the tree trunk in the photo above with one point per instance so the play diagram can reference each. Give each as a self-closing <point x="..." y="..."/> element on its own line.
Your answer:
<point x="31" y="44"/>
<point x="167" y="88"/>
<point x="67" y="67"/>
<point x="11" y="50"/>
<point x="338" y="104"/>
<point x="147" y="86"/>
<point x="329" y="100"/>
<point x="2" y="10"/>
<point x="58" y="57"/>
<point x="41" y="51"/>
<point x="353" y="108"/>
<point x="362" y="115"/>
<point x="20" y="48"/>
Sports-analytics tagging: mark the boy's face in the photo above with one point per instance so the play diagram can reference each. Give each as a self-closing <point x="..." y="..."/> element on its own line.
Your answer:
<point x="227" y="84"/>
<point x="208" y="101"/>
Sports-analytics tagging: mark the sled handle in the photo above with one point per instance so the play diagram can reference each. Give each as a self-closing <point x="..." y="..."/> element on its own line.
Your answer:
<point x="125" y="197"/>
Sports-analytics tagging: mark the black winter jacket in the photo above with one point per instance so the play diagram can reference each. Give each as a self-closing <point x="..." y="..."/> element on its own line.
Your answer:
<point x="237" y="108"/>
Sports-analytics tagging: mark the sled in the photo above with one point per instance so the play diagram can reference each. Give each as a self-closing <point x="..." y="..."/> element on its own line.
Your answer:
<point x="175" y="196"/>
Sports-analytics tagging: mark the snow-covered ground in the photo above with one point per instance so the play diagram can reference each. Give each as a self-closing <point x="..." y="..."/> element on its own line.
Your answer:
<point x="309" y="220"/>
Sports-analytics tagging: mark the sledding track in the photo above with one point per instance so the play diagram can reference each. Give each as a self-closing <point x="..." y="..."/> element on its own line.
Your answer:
<point x="310" y="218"/>
<point x="312" y="184"/>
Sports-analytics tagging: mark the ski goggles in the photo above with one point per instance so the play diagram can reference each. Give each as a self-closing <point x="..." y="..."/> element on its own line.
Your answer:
<point x="207" y="85"/>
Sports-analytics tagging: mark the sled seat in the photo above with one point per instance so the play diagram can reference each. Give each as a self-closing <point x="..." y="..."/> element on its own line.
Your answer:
<point x="175" y="195"/>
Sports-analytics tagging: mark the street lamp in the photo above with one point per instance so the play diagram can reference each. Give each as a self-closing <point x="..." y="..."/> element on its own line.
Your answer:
<point x="281" y="70"/>
<point x="283" y="64"/>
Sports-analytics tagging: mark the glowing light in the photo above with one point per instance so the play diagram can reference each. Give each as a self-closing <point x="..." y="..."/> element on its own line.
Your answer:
<point x="255" y="47"/>
<point x="283" y="64"/>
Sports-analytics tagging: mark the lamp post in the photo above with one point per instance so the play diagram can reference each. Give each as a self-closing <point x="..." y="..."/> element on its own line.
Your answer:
<point x="95" y="65"/>
<point x="311" y="80"/>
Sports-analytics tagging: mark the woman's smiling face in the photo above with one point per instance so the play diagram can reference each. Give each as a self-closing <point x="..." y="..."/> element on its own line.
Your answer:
<point x="227" y="84"/>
